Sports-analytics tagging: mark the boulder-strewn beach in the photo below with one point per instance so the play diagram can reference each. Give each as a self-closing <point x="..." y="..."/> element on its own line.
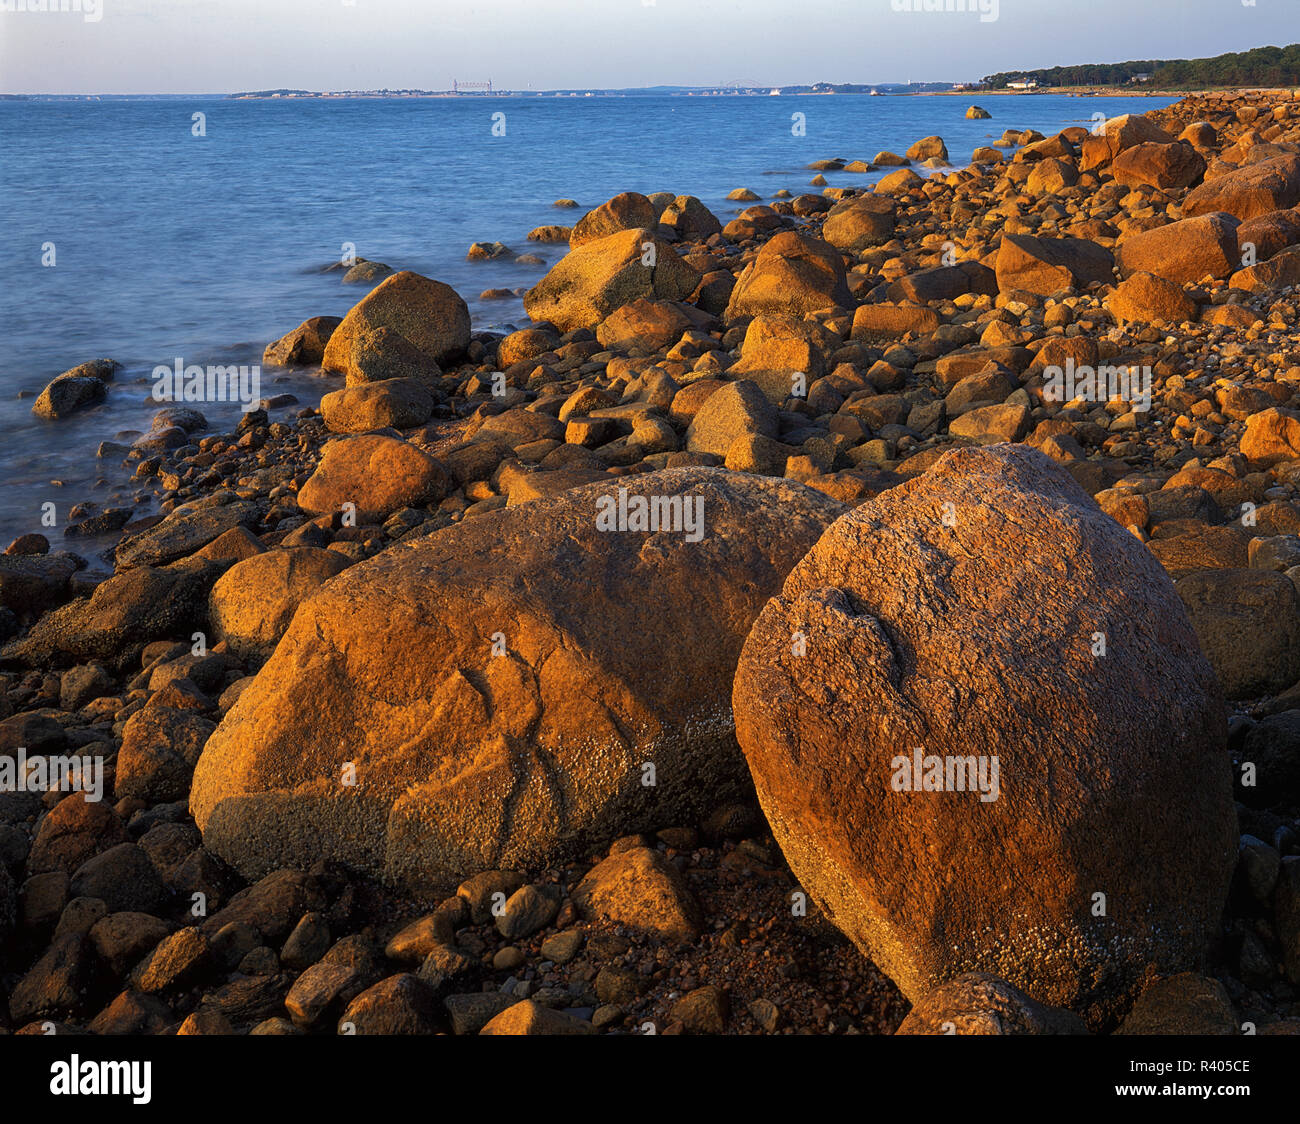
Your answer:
<point x="876" y="611"/>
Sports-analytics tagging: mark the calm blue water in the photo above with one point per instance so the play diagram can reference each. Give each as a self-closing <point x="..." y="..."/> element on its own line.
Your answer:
<point x="208" y="247"/>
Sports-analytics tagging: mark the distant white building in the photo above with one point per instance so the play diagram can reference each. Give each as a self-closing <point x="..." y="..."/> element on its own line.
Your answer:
<point x="1140" y="78"/>
<point x="1023" y="84"/>
<point x="775" y="93"/>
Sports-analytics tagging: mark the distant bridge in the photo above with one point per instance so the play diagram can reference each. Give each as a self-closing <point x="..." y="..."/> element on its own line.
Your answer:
<point x="471" y="87"/>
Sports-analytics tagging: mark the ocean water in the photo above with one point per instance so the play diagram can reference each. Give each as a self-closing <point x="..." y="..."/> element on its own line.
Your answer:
<point x="169" y="245"/>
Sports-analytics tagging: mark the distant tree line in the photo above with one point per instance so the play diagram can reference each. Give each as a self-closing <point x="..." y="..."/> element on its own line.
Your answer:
<point x="1263" y="66"/>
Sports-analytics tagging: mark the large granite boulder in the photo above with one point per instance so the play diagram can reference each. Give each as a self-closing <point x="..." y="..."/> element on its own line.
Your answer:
<point x="994" y="744"/>
<point x="512" y="689"/>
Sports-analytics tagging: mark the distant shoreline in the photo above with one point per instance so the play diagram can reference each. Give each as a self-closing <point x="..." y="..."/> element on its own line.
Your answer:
<point x="376" y="95"/>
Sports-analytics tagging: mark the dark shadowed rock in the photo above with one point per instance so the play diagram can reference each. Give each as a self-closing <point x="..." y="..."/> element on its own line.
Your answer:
<point x="76" y="389"/>
<point x="132" y="607"/>
<point x="978" y="1003"/>
<point x="304" y="346"/>
<point x="183" y="532"/>
<point x="1248" y="622"/>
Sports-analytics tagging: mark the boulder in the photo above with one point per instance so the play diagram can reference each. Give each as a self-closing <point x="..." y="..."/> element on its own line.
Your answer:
<point x="530" y="1018"/>
<point x="524" y="345"/>
<point x="992" y="425"/>
<point x="928" y="148"/>
<point x="1166" y="166"/>
<point x="518" y="427"/>
<point x="32" y="583"/>
<point x="858" y="223"/>
<point x="753" y="221"/>
<point x="899" y="182"/>
<point x="779" y="348"/>
<point x="877" y="322"/>
<point x="430" y="315"/>
<point x="1118" y="134"/>
<point x="1200" y="134"/>
<point x="83" y="386"/>
<point x="1149" y="299"/>
<point x="944" y="283"/>
<point x="602" y="275"/>
<point x="1183" y="252"/>
<point x="1048" y="265"/>
<point x="123" y="877"/>
<point x="793" y="275"/>
<point x="640" y="890"/>
<point x="378" y="474"/>
<point x="1185" y="1004"/>
<point x="1248" y="622"/>
<point x="550" y="233"/>
<point x="1281" y="271"/>
<point x="160" y="746"/>
<point x="978" y="1003"/>
<point x="954" y="770"/>
<point x="644" y="324"/>
<point x="72" y="832"/>
<point x="399" y="403"/>
<point x="1272" y="436"/>
<point x="1270" y="233"/>
<point x="735" y="409"/>
<point x="184" y="531"/>
<point x="379" y="354"/>
<point x="134" y="606"/>
<point x="509" y="690"/>
<point x="304" y="346"/>
<point x="690" y="219"/>
<point x="1051" y="175"/>
<point x="1272" y="746"/>
<point x="628" y="211"/>
<point x="254" y="601"/>
<point x="1247" y="193"/>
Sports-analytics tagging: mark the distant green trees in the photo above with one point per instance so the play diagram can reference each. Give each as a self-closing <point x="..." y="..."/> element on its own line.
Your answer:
<point x="1263" y="66"/>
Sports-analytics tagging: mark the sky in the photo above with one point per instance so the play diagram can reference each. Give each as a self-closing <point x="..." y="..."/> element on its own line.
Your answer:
<point x="223" y="46"/>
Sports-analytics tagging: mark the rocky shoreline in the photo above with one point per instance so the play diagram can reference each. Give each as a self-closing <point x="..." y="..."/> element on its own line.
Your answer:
<point x="396" y="737"/>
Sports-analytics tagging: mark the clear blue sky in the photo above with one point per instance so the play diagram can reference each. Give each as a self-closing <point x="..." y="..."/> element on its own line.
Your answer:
<point x="217" y="46"/>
